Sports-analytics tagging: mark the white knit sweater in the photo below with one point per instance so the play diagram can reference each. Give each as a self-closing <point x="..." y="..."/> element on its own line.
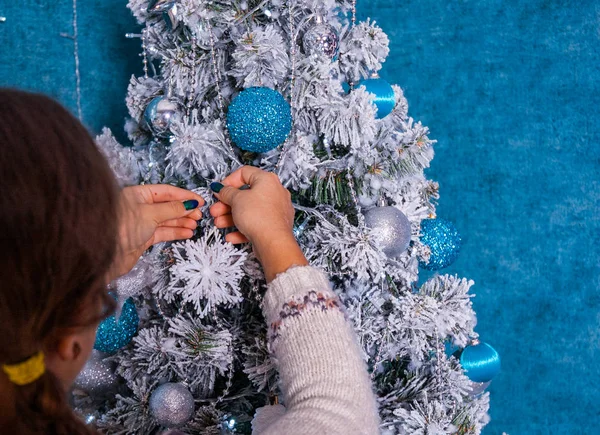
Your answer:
<point x="324" y="381"/>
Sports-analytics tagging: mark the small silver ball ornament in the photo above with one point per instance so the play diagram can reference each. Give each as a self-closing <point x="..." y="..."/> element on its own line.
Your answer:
<point x="321" y="40"/>
<point x="160" y="115"/>
<point x="158" y="6"/>
<point x="171" y="18"/>
<point x="171" y="405"/>
<point x="97" y="377"/>
<point x="392" y="229"/>
<point x="135" y="281"/>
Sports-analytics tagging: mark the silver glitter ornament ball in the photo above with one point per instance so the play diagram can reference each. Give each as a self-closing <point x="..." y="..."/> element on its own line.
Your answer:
<point x="160" y="114"/>
<point x="97" y="377"/>
<point x="392" y="229"/>
<point x="134" y="282"/>
<point x="321" y="40"/>
<point x="172" y="405"/>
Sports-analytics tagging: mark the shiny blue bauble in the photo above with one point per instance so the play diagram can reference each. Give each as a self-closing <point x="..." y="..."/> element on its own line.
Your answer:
<point x="385" y="99"/>
<point x="443" y="240"/>
<point x="480" y="361"/>
<point x="450" y="348"/>
<point x="113" y="334"/>
<point x="259" y="119"/>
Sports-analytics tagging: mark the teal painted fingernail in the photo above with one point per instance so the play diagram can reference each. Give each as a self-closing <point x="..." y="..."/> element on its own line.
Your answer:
<point x="216" y="187"/>
<point x="190" y="204"/>
<point x="245" y="187"/>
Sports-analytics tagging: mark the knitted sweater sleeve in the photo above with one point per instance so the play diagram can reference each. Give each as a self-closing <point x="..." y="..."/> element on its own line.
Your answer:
<point x="325" y="384"/>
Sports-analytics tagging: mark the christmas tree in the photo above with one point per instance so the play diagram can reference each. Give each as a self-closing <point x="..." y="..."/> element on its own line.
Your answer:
<point x="290" y="87"/>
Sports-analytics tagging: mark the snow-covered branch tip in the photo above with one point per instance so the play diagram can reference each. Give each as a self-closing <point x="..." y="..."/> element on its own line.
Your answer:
<point x="207" y="272"/>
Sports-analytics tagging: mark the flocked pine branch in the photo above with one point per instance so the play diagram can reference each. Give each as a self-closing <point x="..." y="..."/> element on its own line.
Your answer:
<point x="207" y="272"/>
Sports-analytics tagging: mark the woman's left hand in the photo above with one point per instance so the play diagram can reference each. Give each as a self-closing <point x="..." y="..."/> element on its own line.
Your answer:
<point x="150" y="214"/>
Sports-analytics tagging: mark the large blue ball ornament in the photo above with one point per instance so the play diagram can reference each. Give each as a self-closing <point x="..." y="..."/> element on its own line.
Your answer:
<point x="112" y="333"/>
<point x="480" y="361"/>
<point x="259" y="119"/>
<point x="385" y="99"/>
<point x="443" y="241"/>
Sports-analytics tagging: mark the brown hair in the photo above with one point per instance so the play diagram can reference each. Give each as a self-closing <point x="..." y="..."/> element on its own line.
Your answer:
<point x="58" y="227"/>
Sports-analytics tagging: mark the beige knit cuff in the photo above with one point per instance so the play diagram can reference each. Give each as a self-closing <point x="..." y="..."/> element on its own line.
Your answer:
<point x="296" y="282"/>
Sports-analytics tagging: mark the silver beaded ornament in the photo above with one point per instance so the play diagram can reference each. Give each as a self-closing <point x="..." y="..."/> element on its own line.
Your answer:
<point x="321" y="40"/>
<point x="97" y="377"/>
<point x="171" y="405"/>
<point x="160" y="114"/>
<point x="392" y="229"/>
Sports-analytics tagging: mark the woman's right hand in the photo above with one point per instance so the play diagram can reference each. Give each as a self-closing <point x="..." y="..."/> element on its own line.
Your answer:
<point x="263" y="215"/>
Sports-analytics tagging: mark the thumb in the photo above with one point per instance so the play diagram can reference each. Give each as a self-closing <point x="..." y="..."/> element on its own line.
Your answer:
<point x="227" y="195"/>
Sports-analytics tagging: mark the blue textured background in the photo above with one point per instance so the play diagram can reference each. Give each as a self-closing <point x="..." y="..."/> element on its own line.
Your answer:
<point x="510" y="91"/>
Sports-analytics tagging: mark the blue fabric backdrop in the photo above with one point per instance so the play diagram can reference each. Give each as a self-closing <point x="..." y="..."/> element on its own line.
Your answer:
<point x="510" y="91"/>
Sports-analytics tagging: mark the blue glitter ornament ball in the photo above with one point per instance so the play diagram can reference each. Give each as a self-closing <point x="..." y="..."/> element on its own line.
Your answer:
<point x="385" y="98"/>
<point x="443" y="240"/>
<point x="259" y="119"/>
<point x="113" y="334"/>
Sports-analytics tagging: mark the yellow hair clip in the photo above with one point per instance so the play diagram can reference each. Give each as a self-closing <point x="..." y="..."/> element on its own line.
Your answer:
<point x="27" y="371"/>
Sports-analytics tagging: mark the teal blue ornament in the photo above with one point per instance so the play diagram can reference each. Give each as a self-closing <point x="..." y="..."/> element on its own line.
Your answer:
<point x="450" y="348"/>
<point x="113" y="334"/>
<point x="443" y="240"/>
<point x="259" y="119"/>
<point x="385" y="99"/>
<point x="480" y="361"/>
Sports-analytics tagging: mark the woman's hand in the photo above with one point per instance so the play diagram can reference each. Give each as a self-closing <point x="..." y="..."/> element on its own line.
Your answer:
<point x="263" y="215"/>
<point x="151" y="214"/>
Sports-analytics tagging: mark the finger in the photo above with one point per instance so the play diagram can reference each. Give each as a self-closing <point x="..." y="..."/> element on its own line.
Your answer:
<point x="181" y="223"/>
<point x="165" y="211"/>
<point x="164" y="192"/>
<point x="219" y="209"/>
<point x="167" y="234"/>
<point x="227" y="194"/>
<point x="243" y="175"/>
<point x="236" y="238"/>
<point x="196" y="214"/>
<point x="224" y="221"/>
